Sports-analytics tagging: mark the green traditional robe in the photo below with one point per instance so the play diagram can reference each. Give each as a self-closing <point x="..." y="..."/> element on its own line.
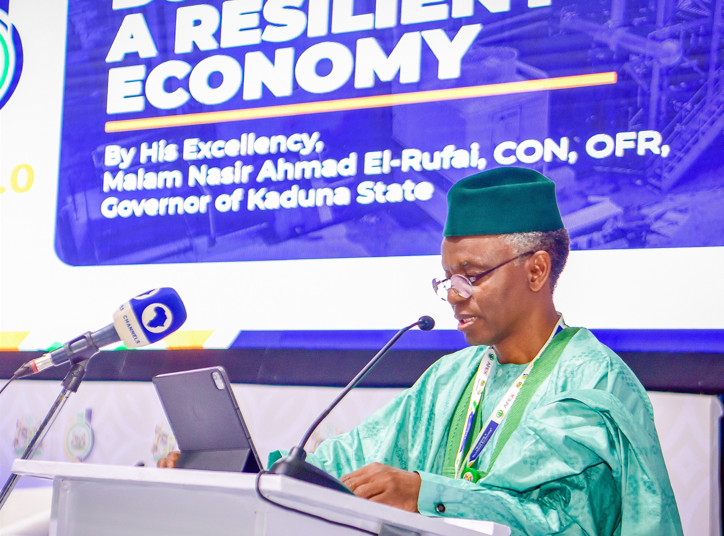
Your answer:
<point x="584" y="457"/>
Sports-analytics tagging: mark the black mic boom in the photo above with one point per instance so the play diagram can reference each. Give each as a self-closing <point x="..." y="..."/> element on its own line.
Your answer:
<point x="96" y="340"/>
<point x="294" y="465"/>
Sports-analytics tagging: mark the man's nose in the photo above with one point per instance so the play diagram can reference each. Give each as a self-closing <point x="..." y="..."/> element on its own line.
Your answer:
<point x="454" y="297"/>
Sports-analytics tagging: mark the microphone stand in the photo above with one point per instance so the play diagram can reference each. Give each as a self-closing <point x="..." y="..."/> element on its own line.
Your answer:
<point x="294" y="464"/>
<point x="70" y="384"/>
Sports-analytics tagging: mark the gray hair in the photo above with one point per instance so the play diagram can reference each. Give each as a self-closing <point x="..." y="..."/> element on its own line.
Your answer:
<point x="555" y="243"/>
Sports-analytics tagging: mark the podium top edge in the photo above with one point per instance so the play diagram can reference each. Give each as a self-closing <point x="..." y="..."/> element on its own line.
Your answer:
<point x="279" y="488"/>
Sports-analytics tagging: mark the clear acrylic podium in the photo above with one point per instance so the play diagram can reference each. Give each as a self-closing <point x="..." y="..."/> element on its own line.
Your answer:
<point x="106" y="500"/>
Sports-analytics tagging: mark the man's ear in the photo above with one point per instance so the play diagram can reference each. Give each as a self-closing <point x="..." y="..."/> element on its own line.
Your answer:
<point x="539" y="270"/>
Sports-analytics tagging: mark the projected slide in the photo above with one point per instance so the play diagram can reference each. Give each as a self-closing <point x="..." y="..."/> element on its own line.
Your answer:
<point x="242" y="130"/>
<point x="283" y="164"/>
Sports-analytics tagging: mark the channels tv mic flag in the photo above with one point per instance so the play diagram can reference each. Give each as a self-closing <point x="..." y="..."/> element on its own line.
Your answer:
<point x="143" y="320"/>
<point x="149" y="317"/>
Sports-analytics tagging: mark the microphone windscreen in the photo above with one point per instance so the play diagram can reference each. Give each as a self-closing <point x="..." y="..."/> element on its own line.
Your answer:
<point x="149" y="317"/>
<point x="426" y="323"/>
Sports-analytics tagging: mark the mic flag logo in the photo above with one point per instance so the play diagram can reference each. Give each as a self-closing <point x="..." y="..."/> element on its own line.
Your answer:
<point x="11" y="57"/>
<point x="157" y="318"/>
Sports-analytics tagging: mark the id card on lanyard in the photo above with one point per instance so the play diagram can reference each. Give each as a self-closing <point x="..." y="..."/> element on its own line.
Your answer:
<point x="463" y="464"/>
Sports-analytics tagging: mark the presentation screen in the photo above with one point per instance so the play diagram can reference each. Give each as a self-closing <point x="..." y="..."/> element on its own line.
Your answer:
<point x="284" y="164"/>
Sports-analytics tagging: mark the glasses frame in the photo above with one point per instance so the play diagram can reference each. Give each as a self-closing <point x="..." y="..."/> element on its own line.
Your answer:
<point x="437" y="283"/>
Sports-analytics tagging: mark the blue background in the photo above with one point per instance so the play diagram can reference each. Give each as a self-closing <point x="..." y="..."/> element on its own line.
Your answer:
<point x="651" y="208"/>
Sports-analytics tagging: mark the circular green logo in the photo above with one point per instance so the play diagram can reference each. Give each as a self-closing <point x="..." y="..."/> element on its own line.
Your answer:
<point x="78" y="442"/>
<point x="11" y="58"/>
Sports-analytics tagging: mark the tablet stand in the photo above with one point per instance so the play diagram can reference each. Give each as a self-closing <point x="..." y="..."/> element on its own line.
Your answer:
<point x="235" y="460"/>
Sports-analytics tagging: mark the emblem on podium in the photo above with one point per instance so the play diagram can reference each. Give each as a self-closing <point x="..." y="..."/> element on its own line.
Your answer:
<point x="78" y="442"/>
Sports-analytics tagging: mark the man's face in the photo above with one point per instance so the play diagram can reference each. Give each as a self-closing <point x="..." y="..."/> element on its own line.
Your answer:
<point x="497" y="307"/>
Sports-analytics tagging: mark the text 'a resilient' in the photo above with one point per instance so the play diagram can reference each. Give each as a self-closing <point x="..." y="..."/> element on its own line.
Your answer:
<point x="244" y="25"/>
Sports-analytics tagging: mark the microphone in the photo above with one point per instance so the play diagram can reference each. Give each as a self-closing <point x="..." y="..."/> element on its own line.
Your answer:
<point x="294" y="464"/>
<point x="426" y="323"/>
<point x="143" y="320"/>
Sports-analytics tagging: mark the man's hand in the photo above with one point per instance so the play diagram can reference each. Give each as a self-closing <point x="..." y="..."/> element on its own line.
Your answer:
<point x="385" y="484"/>
<point x="169" y="461"/>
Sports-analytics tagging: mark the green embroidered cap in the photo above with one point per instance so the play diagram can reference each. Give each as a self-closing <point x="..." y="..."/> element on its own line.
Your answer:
<point x="502" y="201"/>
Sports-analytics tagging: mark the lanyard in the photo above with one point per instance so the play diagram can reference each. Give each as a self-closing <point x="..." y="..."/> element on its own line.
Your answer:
<point x="500" y="411"/>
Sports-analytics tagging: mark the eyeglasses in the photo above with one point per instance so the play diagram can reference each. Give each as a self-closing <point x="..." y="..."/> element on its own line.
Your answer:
<point x="463" y="285"/>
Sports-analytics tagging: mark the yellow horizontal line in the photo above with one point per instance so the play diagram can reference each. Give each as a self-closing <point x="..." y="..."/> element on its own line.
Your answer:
<point x="187" y="339"/>
<point x="359" y="103"/>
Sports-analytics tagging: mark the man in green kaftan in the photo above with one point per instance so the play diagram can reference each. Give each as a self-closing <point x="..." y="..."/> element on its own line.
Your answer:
<point x="536" y="425"/>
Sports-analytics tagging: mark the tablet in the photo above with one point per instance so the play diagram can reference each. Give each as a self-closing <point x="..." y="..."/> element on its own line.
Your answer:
<point x="206" y="421"/>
